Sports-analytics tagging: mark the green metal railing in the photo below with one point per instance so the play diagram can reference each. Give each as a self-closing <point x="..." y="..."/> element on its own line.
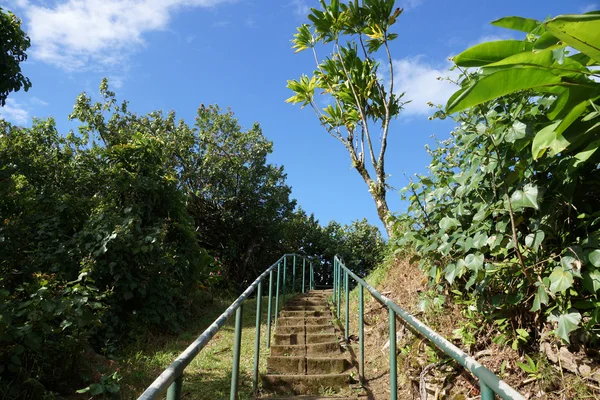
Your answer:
<point x="489" y="383"/>
<point x="171" y="379"/>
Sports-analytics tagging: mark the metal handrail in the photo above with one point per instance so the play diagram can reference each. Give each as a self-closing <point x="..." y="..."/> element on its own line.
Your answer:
<point x="489" y="383"/>
<point x="171" y="379"/>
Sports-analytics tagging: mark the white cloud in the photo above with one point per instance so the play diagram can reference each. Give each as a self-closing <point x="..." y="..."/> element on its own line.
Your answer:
<point x="589" y="7"/>
<point x="77" y="34"/>
<point x="408" y="4"/>
<point x="14" y="112"/>
<point x="36" y="101"/>
<point x="301" y="8"/>
<point x="418" y="79"/>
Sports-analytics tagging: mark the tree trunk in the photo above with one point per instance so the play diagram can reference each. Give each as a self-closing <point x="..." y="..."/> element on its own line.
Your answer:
<point x="378" y="193"/>
<point x="383" y="211"/>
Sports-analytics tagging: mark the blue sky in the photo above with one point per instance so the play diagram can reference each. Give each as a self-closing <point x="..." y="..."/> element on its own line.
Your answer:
<point x="177" y="54"/>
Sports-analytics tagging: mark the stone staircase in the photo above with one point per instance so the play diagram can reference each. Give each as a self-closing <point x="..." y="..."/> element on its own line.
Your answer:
<point x="306" y="359"/>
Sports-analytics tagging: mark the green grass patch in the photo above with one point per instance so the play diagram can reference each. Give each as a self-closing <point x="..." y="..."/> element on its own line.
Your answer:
<point x="209" y="375"/>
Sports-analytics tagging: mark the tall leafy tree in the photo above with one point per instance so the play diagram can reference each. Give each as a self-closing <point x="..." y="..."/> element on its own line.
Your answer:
<point x="238" y="200"/>
<point x="361" y="104"/>
<point x="14" y="42"/>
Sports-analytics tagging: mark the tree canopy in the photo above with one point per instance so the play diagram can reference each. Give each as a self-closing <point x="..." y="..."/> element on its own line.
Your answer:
<point x="14" y="43"/>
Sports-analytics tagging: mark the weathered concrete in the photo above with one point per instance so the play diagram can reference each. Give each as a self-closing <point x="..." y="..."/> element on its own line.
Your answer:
<point x="306" y="358"/>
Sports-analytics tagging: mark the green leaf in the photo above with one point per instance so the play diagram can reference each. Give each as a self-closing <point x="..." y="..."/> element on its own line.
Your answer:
<point x="534" y="240"/>
<point x="448" y="223"/>
<point x="571" y="264"/>
<point x="501" y="83"/>
<point x="479" y="240"/>
<point x="526" y="58"/>
<point x="517" y="23"/>
<point x="567" y="323"/>
<point x="560" y="280"/>
<point x="543" y="139"/>
<point x="96" y="389"/>
<point x="450" y="273"/>
<point x="490" y="52"/>
<point x="591" y="280"/>
<point x="594" y="258"/>
<point x="581" y="32"/>
<point x="586" y="153"/>
<point x="474" y="261"/>
<point x="541" y="297"/>
<point x="528" y="197"/>
<point x="546" y="40"/>
<point x="517" y="131"/>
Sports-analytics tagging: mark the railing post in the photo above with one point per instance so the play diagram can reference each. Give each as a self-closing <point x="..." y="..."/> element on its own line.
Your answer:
<point x="312" y="277"/>
<point x="277" y="294"/>
<point x="393" y="369"/>
<point x="347" y="297"/>
<point x="303" y="273"/>
<point x="294" y="276"/>
<point x="486" y="392"/>
<point x="361" y="334"/>
<point x="339" y="287"/>
<point x="236" y="352"/>
<point x="284" y="277"/>
<point x="269" y="309"/>
<point x="174" y="391"/>
<point x="257" y="338"/>
<point x="334" y="273"/>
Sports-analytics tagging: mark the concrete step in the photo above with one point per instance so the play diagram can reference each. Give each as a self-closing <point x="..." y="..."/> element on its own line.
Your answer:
<point x="306" y="308"/>
<point x="304" y="384"/>
<point x="281" y="365"/>
<point x="296" y="303"/>
<point x="300" y="365"/>
<point x="290" y="338"/>
<point x="320" y="338"/>
<point x="300" y="350"/>
<point x="304" y="313"/>
<point x="307" y="398"/>
<point x="309" y="329"/>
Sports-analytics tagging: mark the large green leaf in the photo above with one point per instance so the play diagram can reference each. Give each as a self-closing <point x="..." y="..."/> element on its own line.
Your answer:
<point x="560" y="280"/>
<point x="542" y="58"/>
<point x="528" y="197"/>
<point x="447" y="223"/>
<point x="490" y="52"/>
<point x="567" y="323"/>
<point x="517" y="23"/>
<point x="534" y="240"/>
<point x="594" y="258"/>
<point x="501" y="83"/>
<point x="591" y="280"/>
<point x="545" y="40"/>
<point x="543" y="139"/>
<point x="586" y="153"/>
<point x="474" y="261"/>
<point x="581" y="32"/>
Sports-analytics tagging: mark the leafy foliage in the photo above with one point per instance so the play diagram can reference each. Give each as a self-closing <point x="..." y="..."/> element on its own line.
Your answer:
<point x="507" y="216"/>
<point x="359" y="244"/>
<point x="238" y="200"/>
<point x="96" y="243"/>
<point x="116" y="229"/>
<point x="14" y="44"/>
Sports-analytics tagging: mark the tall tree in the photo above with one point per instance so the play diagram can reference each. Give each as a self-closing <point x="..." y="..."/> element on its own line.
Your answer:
<point x="14" y="42"/>
<point x="361" y="104"/>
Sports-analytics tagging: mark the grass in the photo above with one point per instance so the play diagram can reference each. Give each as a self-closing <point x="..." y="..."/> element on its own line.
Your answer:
<point x="209" y="375"/>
